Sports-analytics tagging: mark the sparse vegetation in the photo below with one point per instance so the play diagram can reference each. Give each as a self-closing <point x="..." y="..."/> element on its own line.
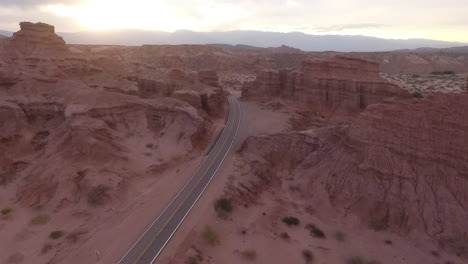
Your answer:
<point x="388" y="242"/>
<point x="250" y="255"/>
<point x="291" y="221"/>
<point x="315" y="231"/>
<point x="56" y="234"/>
<point x="40" y="220"/>
<point x="443" y="73"/>
<point x="340" y="236"/>
<point x="7" y="213"/>
<point x="46" y="248"/>
<point x="149" y="145"/>
<point x="244" y="231"/>
<point x="361" y="260"/>
<point x="223" y="207"/>
<point x="74" y="237"/>
<point x="308" y="256"/>
<point x="210" y="236"/>
<point x="285" y="236"/>
<point x="97" y="195"/>
<point x="194" y="259"/>
<point x="356" y="260"/>
<point x="417" y="95"/>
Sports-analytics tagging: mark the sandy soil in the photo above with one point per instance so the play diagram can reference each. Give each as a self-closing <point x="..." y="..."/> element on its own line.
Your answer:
<point x="255" y="233"/>
<point x="253" y="122"/>
<point x="103" y="234"/>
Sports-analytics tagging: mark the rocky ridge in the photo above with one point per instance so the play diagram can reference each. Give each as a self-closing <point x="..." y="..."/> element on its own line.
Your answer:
<point x="63" y="123"/>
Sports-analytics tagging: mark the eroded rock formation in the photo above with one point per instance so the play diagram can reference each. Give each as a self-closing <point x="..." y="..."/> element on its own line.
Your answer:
<point x="67" y="118"/>
<point x="37" y="38"/>
<point x="333" y="82"/>
<point x="402" y="166"/>
<point x="209" y="78"/>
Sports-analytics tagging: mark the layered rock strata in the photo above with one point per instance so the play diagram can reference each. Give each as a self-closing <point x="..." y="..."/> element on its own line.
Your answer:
<point x="332" y="82"/>
<point x="402" y="166"/>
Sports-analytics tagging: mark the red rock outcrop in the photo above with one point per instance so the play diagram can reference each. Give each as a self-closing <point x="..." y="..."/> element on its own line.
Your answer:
<point x="81" y="134"/>
<point x="37" y="38"/>
<point x="154" y="89"/>
<point x="402" y="166"/>
<point x="332" y="83"/>
<point x="209" y="78"/>
<point x="67" y="118"/>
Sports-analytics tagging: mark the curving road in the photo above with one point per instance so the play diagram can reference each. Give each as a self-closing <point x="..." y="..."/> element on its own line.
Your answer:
<point x="155" y="238"/>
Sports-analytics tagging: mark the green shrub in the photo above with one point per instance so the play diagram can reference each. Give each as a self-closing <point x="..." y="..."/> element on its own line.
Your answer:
<point x="356" y="260"/>
<point x="291" y="221"/>
<point x="315" y="231"/>
<point x="40" y="220"/>
<point x="308" y="256"/>
<point x="285" y="236"/>
<point x="443" y="73"/>
<point x="361" y="260"/>
<point x="340" y="236"/>
<point x="7" y="213"/>
<point x="211" y="236"/>
<point x="194" y="259"/>
<point x="98" y="195"/>
<point x="250" y="255"/>
<point x="56" y="234"/>
<point x="223" y="207"/>
<point x="75" y="236"/>
<point x="46" y="248"/>
<point x="417" y="95"/>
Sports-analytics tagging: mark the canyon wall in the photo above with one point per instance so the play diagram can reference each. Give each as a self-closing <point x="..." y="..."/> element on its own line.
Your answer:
<point x="67" y="116"/>
<point x="332" y="82"/>
<point x="402" y="166"/>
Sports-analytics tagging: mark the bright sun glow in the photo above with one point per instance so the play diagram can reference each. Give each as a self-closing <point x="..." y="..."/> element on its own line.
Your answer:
<point x="278" y="15"/>
<point x="147" y="15"/>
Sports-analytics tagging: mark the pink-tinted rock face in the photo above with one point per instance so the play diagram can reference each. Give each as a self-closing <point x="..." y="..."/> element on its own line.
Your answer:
<point x="332" y="82"/>
<point x="402" y="166"/>
<point x="209" y="78"/>
<point x="154" y="89"/>
<point x="33" y="38"/>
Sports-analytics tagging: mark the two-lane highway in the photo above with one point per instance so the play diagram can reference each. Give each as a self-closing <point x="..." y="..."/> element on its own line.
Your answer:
<point x="155" y="238"/>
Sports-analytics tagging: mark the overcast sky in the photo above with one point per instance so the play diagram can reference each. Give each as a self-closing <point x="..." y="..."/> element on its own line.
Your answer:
<point x="432" y="19"/>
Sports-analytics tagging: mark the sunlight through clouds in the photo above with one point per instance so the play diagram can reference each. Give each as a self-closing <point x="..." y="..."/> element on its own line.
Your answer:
<point x="403" y="19"/>
<point x="148" y="15"/>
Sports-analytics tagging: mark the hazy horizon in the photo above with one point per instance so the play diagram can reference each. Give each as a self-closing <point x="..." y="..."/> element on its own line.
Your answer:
<point x="386" y="19"/>
<point x="219" y="31"/>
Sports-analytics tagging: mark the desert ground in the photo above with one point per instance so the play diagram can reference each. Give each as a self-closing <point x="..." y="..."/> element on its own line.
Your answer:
<point x="340" y="158"/>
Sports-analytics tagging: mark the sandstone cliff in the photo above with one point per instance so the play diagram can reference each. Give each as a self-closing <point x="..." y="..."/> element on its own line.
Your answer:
<point x="338" y="82"/>
<point x="402" y="166"/>
<point x="66" y="117"/>
<point x="36" y="38"/>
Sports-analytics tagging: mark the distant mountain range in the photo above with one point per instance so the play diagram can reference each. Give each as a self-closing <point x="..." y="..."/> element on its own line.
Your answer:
<point x="297" y="40"/>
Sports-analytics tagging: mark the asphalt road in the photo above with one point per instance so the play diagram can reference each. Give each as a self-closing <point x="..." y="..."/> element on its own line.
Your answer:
<point x="155" y="238"/>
